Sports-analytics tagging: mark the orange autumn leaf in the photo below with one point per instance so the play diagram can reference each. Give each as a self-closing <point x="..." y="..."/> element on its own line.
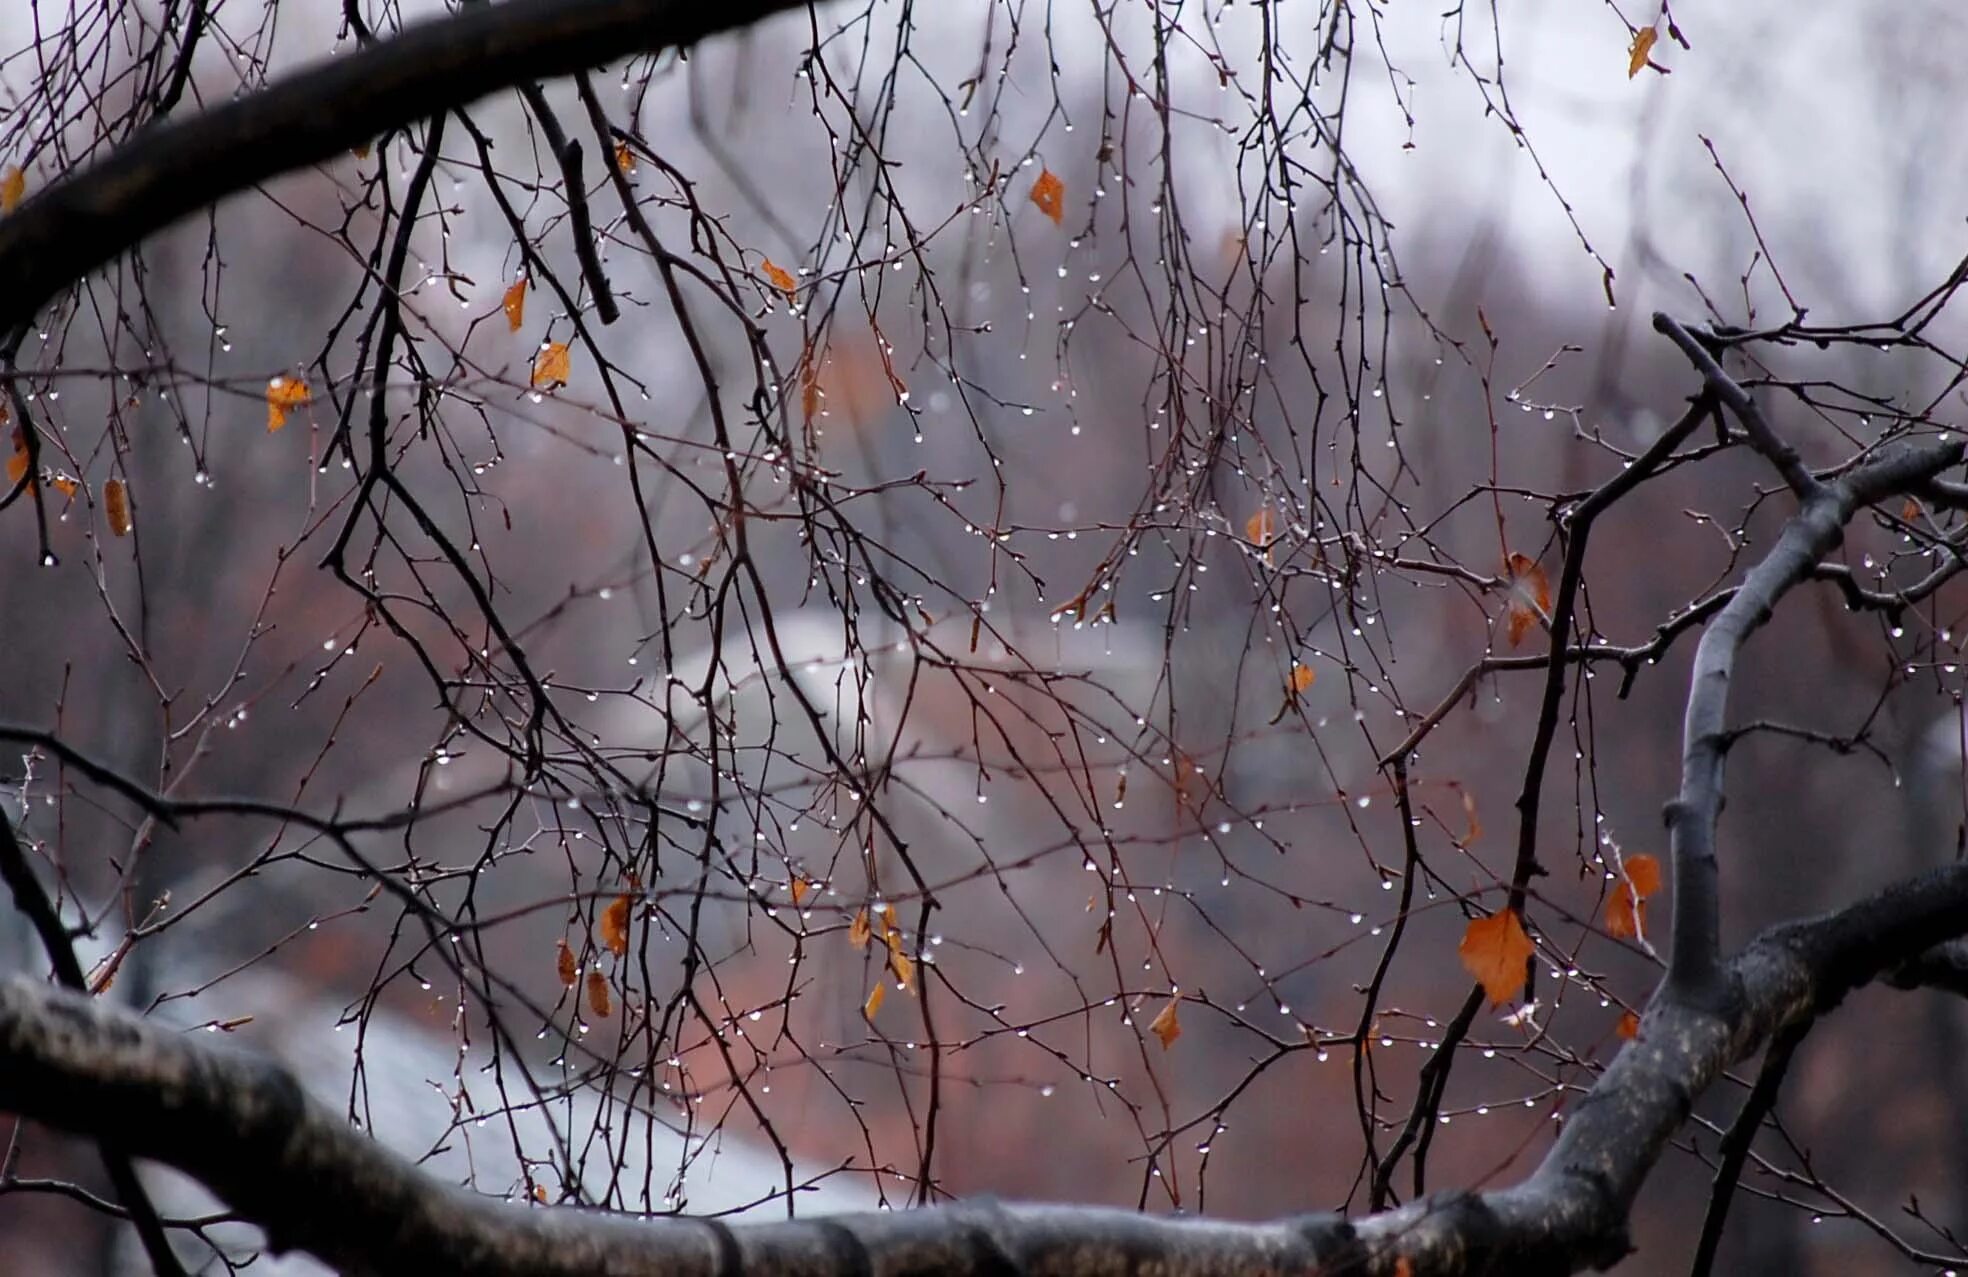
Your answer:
<point x="858" y="931"/>
<point x="116" y="507"/>
<point x="800" y="889"/>
<point x="875" y="997"/>
<point x="598" y="995"/>
<point x="550" y="366"/>
<point x="13" y="188"/>
<point x="625" y="159"/>
<point x="65" y="484"/>
<point x="1049" y="193"/>
<point x="1166" y="1026"/>
<point x="1644" y="872"/>
<point x="283" y="394"/>
<point x="1494" y="951"/>
<point x="902" y="965"/>
<point x="1626" y="910"/>
<point x="780" y="279"/>
<point x="1261" y="528"/>
<point x="16" y="467"/>
<point x="615" y="926"/>
<point x="1628" y="1027"/>
<point x="564" y="963"/>
<point x="1529" y="597"/>
<point x="1302" y="678"/>
<point x="514" y="304"/>
<point x="809" y="375"/>
<point x="1636" y="53"/>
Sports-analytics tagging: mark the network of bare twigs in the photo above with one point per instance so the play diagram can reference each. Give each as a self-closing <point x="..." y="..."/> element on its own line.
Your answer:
<point x="850" y="589"/>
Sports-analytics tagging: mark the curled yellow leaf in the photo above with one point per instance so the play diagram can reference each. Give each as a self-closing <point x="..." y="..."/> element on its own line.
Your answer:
<point x="284" y="394"/>
<point x="780" y="279"/>
<point x="514" y="304"/>
<point x="551" y="366"/>
<point x="1636" y="54"/>
<point x="1166" y="1026"/>
<point x="902" y="965"/>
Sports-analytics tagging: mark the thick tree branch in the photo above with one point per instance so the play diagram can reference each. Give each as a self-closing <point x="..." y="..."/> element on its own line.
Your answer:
<point x="32" y="901"/>
<point x="1813" y="532"/>
<point x="243" y="1127"/>
<point x="1943" y="967"/>
<point x="175" y="169"/>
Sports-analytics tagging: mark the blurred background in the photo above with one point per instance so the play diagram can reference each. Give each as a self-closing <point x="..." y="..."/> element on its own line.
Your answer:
<point x="918" y="592"/>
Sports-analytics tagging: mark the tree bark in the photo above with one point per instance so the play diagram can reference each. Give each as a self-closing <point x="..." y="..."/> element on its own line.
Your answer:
<point x="177" y="168"/>
<point x="243" y="1127"/>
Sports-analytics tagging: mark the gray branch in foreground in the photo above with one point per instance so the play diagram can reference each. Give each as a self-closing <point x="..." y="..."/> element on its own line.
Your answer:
<point x="243" y="1126"/>
<point x="1816" y="529"/>
<point x="177" y="168"/>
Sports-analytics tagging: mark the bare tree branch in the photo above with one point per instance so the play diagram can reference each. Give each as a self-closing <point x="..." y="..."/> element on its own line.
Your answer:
<point x="1739" y="401"/>
<point x="174" y="169"/>
<point x="32" y="901"/>
<point x="244" y="1128"/>
<point x="1943" y="967"/>
<point x="1813" y="532"/>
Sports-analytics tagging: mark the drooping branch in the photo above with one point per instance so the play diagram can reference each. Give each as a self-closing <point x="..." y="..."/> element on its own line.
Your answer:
<point x="175" y="169"/>
<point x="243" y="1127"/>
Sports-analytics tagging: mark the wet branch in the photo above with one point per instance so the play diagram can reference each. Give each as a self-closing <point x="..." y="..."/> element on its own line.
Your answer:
<point x="243" y="1127"/>
<point x="174" y="169"/>
<point x="1826" y="506"/>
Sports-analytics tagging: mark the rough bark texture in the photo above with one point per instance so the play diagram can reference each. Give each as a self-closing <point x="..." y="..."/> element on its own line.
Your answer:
<point x="243" y="1126"/>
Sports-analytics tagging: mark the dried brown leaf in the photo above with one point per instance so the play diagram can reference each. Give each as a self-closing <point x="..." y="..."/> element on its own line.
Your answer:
<point x="116" y="507"/>
<point x="615" y="925"/>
